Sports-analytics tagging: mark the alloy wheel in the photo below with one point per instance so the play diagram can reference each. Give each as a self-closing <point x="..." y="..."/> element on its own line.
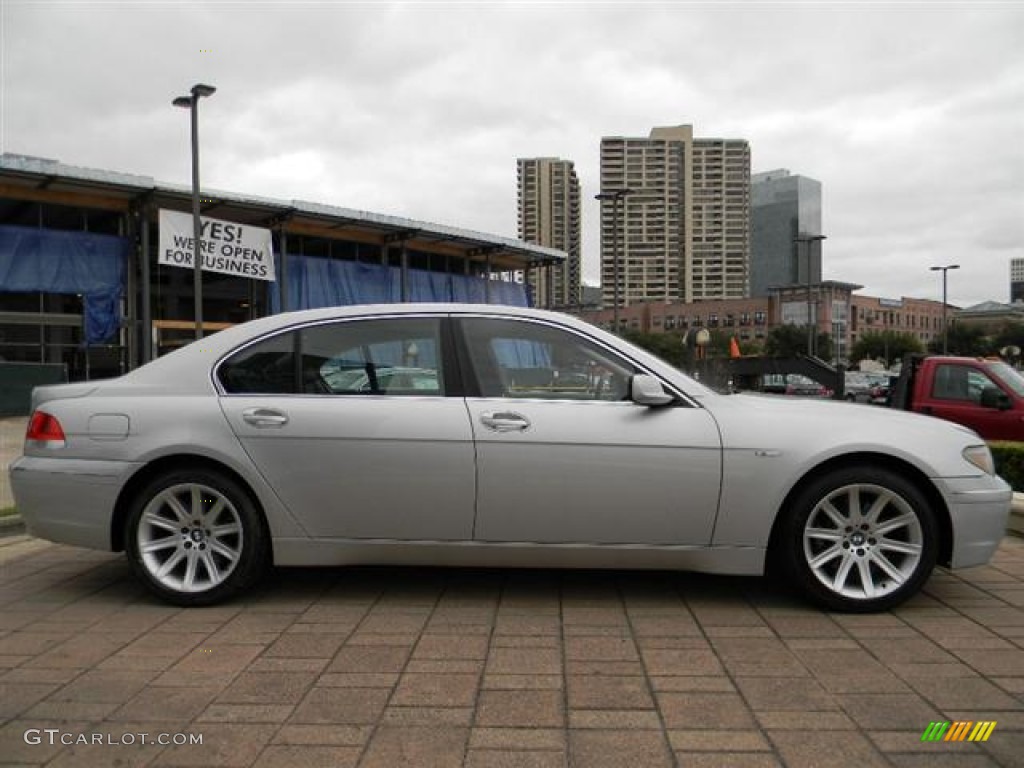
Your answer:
<point x="190" y="537"/>
<point x="863" y="541"/>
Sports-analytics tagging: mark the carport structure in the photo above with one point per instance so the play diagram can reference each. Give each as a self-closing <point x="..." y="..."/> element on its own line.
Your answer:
<point x="44" y="308"/>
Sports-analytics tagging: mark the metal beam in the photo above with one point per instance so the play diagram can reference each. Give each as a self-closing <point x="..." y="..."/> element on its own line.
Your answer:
<point x="85" y="200"/>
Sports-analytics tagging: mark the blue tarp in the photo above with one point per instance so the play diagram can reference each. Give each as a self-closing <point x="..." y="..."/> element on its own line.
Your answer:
<point x="315" y="282"/>
<point x="60" y="261"/>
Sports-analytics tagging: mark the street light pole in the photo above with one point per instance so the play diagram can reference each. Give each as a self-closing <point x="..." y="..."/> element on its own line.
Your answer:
<point x="811" y="323"/>
<point x="615" y="197"/>
<point x="192" y="104"/>
<point x="945" y="325"/>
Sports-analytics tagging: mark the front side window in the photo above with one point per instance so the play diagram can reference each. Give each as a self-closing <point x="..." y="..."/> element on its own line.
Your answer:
<point x="392" y="356"/>
<point x="958" y="382"/>
<point x="517" y="359"/>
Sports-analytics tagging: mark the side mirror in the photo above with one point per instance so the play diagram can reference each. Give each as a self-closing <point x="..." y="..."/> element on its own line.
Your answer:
<point x="647" y="390"/>
<point x="994" y="397"/>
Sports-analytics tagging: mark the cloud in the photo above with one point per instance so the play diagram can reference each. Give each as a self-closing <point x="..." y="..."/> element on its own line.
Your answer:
<point x="909" y="114"/>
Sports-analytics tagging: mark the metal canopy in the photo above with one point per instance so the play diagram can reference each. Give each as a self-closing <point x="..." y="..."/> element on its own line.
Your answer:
<point x="33" y="179"/>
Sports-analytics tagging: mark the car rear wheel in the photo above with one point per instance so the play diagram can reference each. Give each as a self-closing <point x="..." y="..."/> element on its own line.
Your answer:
<point x="859" y="539"/>
<point x="195" y="537"/>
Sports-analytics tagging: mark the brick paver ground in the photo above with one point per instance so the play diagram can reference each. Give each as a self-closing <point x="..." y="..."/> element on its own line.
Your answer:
<point x="486" y="669"/>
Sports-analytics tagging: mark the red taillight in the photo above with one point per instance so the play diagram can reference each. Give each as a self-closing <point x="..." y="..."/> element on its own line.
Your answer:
<point x="44" y="428"/>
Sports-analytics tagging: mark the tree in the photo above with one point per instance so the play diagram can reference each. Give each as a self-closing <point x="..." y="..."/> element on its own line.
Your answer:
<point x="1010" y="334"/>
<point x="966" y="340"/>
<point x="791" y="340"/>
<point x="668" y="346"/>
<point x="719" y="345"/>
<point x="887" y="345"/>
<point x="751" y="347"/>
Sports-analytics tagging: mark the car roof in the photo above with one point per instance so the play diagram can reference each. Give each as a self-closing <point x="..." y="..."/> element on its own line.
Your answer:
<point x="188" y="369"/>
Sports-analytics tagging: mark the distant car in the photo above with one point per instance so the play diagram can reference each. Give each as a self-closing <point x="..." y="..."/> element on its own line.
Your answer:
<point x="867" y="387"/>
<point x="793" y="384"/>
<point x="382" y="380"/>
<point x="526" y="438"/>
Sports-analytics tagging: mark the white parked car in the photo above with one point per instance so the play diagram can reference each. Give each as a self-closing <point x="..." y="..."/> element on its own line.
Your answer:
<point x="533" y="439"/>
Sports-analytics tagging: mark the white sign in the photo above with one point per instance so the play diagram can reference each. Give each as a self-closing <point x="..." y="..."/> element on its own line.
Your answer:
<point x="229" y="248"/>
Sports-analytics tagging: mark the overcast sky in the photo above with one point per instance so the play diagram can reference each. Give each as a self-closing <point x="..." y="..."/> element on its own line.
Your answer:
<point x="910" y="114"/>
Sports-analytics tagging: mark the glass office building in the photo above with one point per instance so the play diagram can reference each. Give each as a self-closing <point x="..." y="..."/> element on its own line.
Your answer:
<point x="783" y="207"/>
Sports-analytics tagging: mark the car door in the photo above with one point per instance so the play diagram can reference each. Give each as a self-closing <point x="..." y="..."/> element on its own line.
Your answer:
<point x="563" y="456"/>
<point x="956" y="396"/>
<point x="351" y="423"/>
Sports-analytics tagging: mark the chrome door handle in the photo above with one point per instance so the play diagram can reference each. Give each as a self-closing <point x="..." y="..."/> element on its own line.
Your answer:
<point x="264" y="417"/>
<point x="504" y="421"/>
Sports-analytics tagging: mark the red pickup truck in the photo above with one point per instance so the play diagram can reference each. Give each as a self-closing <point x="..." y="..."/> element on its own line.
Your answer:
<point x="986" y="395"/>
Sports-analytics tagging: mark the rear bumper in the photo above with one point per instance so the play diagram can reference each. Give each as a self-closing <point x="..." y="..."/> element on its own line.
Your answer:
<point x="70" y="501"/>
<point x="979" y="509"/>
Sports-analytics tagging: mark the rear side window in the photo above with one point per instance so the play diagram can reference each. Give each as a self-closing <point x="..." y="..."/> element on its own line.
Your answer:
<point x="393" y="356"/>
<point x="266" y="367"/>
<point x="380" y="357"/>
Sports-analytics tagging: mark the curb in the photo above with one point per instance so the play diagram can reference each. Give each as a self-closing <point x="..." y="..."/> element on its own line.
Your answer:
<point x="11" y="525"/>
<point x="1015" y="524"/>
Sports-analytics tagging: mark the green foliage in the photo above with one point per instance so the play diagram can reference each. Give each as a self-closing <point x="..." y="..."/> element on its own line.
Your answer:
<point x="668" y="346"/>
<point x="791" y="340"/>
<point x="1010" y="334"/>
<point x="751" y="347"/>
<point x="1009" y="458"/>
<point x="966" y="340"/>
<point x="719" y="346"/>
<point x="672" y="347"/>
<point x="887" y="345"/>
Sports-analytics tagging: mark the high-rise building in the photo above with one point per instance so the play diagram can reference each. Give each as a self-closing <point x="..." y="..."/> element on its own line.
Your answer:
<point x="549" y="214"/>
<point x="684" y="228"/>
<point x="1016" y="280"/>
<point x="783" y="207"/>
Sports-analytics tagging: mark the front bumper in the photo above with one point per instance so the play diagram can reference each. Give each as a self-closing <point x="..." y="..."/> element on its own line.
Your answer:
<point x="70" y="501"/>
<point x="979" y="509"/>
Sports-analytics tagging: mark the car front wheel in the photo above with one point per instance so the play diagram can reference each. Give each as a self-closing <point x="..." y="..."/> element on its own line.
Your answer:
<point x="859" y="539"/>
<point x="195" y="537"/>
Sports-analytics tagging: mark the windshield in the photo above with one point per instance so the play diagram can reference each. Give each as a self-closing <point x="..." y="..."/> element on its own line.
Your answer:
<point x="1009" y="376"/>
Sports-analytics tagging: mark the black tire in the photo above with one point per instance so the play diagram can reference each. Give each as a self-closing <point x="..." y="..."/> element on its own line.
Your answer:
<point x="858" y="539"/>
<point x="194" y="536"/>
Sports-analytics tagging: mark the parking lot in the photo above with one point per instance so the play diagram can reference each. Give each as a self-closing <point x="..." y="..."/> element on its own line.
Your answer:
<point x="481" y="668"/>
<point x="433" y="667"/>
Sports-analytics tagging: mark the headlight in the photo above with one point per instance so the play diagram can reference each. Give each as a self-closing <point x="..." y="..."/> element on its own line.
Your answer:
<point x="981" y="457"/>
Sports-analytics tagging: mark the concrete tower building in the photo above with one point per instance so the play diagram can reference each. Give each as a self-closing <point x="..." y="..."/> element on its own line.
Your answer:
<point x="549" y="214"/>
<point x="684" y="228"/>
<point x="1016" y="280"/>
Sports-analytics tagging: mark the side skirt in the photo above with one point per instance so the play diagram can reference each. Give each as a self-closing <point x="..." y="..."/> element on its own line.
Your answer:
<point x="738" y="561"/>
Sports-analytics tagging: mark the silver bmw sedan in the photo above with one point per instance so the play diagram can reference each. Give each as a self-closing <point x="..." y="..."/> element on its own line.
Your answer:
<point x="490" y="436"/>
